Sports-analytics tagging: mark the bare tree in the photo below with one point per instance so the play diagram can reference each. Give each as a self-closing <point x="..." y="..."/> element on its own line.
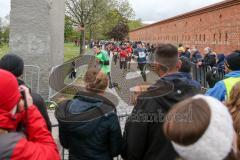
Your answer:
<point x="84" y="13"/>
<point x="124" y="8"/>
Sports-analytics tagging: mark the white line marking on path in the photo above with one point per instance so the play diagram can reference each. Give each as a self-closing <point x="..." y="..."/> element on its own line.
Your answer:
<point x="136" y="74"/>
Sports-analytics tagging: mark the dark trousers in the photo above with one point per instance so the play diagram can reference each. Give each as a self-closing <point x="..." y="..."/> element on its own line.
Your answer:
<point x="73" y="75"/>
<point x="123" y="64"/>
<point x="115" y="57"/>
<point x="142" y="67"/>
<point x="129" y="61"/>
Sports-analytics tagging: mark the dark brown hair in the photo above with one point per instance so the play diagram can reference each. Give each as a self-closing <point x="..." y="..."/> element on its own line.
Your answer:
<point x="96" y="81"/>
<point x="167" y="55"/>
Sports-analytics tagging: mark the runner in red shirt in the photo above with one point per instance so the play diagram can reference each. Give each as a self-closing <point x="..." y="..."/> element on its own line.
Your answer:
<point x="115" y="53"/>
<point x="130" y="51"/>
<point x="123" y="58"/>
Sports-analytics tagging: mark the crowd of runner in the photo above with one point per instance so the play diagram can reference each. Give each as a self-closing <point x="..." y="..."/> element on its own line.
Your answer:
<point x="172" y="119"/>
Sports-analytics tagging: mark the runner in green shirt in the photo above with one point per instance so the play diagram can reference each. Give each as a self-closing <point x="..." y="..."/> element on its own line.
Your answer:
<point x="102" y="60"/>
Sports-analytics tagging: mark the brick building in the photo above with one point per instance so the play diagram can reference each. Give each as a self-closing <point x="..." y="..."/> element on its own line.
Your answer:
<point x="216" y="26"/>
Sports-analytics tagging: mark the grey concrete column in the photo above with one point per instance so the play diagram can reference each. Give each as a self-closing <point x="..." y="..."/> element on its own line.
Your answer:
<point x="37" y="35"/>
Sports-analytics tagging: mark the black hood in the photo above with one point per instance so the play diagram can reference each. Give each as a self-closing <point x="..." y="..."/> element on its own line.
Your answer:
<point x="74" y="114"/>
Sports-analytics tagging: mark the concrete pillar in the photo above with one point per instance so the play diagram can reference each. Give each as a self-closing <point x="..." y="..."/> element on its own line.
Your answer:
<point x="37" y="35"/>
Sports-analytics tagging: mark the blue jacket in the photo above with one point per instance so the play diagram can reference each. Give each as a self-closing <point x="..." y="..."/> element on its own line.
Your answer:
<point x="95" y="138"/>
<point x="190" y="80"/>
<point x="219" y="90"/>
<point x="183" y="77"/>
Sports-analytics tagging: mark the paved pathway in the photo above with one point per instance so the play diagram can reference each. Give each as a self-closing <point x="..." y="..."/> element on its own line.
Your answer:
<point x="122" y="96"/>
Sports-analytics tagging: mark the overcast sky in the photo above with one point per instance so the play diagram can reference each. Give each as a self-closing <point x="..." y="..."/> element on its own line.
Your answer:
<point x="4" y="7"/>
<point x="156" y="10"/>
<point x="148" y="10"/>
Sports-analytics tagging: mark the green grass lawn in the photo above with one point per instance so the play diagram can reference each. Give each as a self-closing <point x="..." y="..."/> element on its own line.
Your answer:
<point x="4" y="49"/>
<point x="70" y="51"/>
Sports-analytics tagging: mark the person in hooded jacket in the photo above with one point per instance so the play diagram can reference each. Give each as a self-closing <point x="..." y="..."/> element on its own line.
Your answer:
<point x="88" y="124"/>
<point x="34" y="142"/>
<point x="143" y="136"/>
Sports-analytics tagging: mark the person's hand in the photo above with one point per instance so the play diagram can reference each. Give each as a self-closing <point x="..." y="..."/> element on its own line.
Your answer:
<point x="29" y="99"/>
<point x="97" y="61"/>
<point x="199" y="63"/>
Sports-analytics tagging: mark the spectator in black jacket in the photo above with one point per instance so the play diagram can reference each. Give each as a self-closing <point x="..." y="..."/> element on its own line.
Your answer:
<point x="144" y="138"/>
<point x="220" y="62"/>
<point x="88" y="124"/>
<point x="209" y="58"/>
<point x="212" y="77"/>
<point x="195" y="55"/>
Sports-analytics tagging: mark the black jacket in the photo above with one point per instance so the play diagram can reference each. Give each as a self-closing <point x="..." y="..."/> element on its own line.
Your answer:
<point x="92" y="137"/>
<point x="196" y="57"/>
<point x="144" y="138"/>
<point x="209" y="60"/>
<point x="186" y="54"/>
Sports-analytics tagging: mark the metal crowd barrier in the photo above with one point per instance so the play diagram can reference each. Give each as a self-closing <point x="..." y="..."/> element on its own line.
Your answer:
<point x="200" y="74"/>
<point x="31" y="76"/>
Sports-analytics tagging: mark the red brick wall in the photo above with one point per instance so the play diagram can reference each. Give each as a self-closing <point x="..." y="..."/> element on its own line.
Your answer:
<point x="216" y="26"/>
